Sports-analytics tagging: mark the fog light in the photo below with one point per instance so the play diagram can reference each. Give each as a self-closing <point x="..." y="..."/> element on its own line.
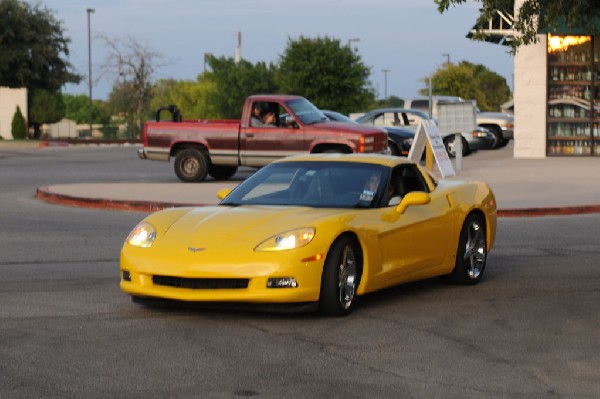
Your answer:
<point x="126" y="275"/>
<point x="282" y="282"/>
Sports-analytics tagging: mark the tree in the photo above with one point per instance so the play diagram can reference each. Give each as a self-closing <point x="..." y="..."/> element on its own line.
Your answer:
<point x="533" y="15"/>
<point x="77" y="109"/>
<point x="191" y="97"/>
<point x="236" y="81"/>
<point x="330" y="75"/>
<point x="46" y="107"/>
<point x="19" y="125"/>
<point x="132" y="64"/>
<point x="470" y="81"/>
<point x="34" y="50"/>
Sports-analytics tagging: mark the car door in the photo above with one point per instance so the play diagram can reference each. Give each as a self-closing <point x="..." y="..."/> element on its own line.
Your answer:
<point x="260" y="145"/>
<point x="415" y="242"/>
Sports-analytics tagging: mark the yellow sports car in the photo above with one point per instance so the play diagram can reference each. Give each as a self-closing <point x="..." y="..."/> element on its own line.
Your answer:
<point x="314" y="229"/>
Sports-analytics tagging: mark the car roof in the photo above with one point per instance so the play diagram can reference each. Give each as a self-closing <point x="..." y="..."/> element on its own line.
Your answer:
<point x="405" y="110"/>
<point x="378" y="159"/>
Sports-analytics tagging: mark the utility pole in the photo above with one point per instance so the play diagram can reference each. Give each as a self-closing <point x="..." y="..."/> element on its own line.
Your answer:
<point x="89" y="12"/>
<point x="385" y="72"/>
<point x="447" y="59"/>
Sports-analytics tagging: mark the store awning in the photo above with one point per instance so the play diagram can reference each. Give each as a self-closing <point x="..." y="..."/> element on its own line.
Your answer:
<point x="498" y="29"/>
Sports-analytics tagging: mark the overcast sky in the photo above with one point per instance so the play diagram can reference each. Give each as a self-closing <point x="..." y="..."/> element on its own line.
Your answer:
<point x="408" y="37"/>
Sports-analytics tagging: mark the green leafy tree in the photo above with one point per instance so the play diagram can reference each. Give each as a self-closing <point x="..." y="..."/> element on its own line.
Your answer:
<point x="390" y="102"/>
<point x="470" y="81"/>
<point x="34" y="50"/>
<point x="233" y="82"/>
<point x="19" y="125"/>
<point x="77" y="109"/>
<point x="330" y="75"/>
<point x="46" y="107"/>
<point x="578" y="15"/>
<point x="191" y="97"/>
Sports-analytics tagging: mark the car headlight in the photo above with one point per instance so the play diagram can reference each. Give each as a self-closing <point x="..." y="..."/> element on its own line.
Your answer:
<point x="143" y="235"/>
<point x="287" y="240"/>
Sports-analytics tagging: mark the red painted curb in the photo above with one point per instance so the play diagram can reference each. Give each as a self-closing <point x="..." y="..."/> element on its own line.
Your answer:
<point x="45" y="194"/>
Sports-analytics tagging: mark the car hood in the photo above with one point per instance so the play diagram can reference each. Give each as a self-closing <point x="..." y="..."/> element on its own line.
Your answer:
<point x="250" y="224"/>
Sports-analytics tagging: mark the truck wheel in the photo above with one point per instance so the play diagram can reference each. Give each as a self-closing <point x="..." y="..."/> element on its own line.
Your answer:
<point x="220" y="172"/>
<point x="191" y="165"/>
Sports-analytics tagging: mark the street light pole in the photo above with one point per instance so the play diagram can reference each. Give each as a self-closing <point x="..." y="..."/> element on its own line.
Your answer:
<point x="385" y="72"/>
<point x="447" y="58"/>
<point x="89" y="11"/>
<point x="354" y="39"/>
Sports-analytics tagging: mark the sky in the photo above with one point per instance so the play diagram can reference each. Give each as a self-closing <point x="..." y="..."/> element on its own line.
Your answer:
<point x="410" y="38"/>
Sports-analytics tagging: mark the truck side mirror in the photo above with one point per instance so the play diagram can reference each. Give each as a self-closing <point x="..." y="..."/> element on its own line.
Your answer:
<point x="291" y="122"/>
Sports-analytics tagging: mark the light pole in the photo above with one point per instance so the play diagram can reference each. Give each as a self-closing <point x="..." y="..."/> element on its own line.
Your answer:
<point x="447" y="58"/>
<point x="89" y="12"/>
<point x="354" y="39"/>
<point x="385" y="72"/>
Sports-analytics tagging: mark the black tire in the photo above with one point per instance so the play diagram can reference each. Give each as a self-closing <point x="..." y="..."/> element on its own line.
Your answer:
<point x="450" y="147"/>
<point x="220" y="172"/>
<point x="497" y="132"/>
<point x="191" y="165"/>
<point x="394" y="148"/>
<point x="340" y="277"/>
<point x="471" y="254"/>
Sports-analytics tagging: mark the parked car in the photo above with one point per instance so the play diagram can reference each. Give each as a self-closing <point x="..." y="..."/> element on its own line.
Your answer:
<point x="399" y="139"/>
<point x="477" y="139"/>
<point x="301" y="231"/>
<point x="499" y="123"/>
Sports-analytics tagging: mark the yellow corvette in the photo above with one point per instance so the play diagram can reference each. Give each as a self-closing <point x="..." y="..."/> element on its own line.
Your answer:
<point x="315" y="229"/>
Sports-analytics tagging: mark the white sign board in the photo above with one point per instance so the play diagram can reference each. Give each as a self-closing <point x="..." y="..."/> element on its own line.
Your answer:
<point x="428" y="131"/>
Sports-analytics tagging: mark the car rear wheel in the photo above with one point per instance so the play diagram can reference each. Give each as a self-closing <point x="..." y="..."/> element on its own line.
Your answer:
<point x="340" y="277"/>
<point x="220" y="172"/>
<point x="471" y="255"/>
<point x="191" y="165"/>
<point x="497" y="132"/>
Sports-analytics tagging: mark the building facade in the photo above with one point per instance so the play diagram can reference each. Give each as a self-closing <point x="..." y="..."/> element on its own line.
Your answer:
<point x="557" y="96"/>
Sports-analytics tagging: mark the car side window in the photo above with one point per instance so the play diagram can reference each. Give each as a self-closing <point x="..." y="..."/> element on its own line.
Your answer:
<point x="405" y="179"/>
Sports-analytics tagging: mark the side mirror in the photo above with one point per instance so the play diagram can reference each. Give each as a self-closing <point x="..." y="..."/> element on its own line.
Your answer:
<point x="222" y="193"/>
<point x="291" y="122"/>
<point x="413" y="198"/>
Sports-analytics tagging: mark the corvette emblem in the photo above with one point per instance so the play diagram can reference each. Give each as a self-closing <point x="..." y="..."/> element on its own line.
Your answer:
<point x="196" y="249"/>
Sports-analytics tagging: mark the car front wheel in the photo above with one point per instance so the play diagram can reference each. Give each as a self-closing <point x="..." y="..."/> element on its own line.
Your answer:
<point x="340" y="278"/>
<point x="471" y="255"/>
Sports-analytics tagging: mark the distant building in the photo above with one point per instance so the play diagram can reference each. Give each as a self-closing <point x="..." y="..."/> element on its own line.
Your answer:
<point x="10" y="99"/>
<point x="556" y="91"/>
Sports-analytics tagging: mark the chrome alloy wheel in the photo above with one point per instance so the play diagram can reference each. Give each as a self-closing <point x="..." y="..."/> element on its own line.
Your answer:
<point x="475" y="250"/>
<point x="347" y="277"/>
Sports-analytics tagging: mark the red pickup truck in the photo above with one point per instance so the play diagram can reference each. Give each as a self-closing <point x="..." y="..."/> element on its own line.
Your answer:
<point x="218" y="147"/>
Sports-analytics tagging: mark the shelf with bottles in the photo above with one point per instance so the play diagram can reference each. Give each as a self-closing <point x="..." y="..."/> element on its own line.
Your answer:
<point x="570" y="129"/>
<point x="572" y="147"/>
<point x="569" y="109"/>
<point x="570" y="91"/>
<point x="570" y="73"/>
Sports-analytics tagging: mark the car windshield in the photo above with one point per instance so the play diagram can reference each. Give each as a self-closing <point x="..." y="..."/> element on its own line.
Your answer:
<point x="318" y="184"/>
<point x="307" y="112"/>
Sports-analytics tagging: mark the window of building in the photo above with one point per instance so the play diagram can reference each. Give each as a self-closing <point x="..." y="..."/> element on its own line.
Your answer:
<point x="573" y="96"/>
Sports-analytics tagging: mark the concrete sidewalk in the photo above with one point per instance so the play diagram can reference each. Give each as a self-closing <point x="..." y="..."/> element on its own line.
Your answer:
<point x="523" y="187"/>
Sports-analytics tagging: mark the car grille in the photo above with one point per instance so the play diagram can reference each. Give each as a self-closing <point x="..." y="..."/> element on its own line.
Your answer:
<point x="201" y="283"/>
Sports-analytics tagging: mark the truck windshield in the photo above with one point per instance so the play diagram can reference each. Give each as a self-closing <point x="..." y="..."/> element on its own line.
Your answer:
<point x="307" y="112"/>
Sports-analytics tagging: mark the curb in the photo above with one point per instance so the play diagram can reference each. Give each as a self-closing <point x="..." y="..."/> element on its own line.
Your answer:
<point x="45" y="194"/>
